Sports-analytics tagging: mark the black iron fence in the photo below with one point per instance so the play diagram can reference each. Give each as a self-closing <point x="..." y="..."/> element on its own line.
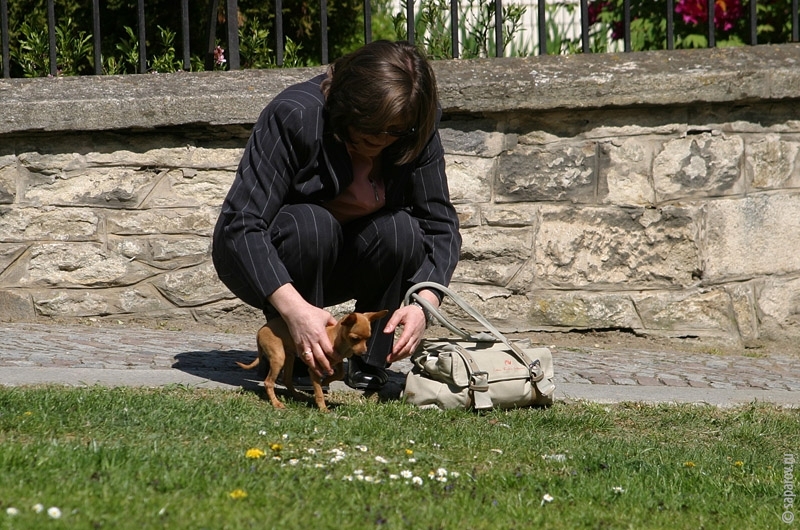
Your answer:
<point x="587" y="11"/>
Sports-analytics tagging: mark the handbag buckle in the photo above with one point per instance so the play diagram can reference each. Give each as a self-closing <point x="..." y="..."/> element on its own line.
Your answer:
<point x="479" y="382"/>
<point x="537" y="374"/>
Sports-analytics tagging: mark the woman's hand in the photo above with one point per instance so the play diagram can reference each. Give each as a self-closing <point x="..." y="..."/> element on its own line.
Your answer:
<point x="306" y="324"/>
<point x="412" y="319"/>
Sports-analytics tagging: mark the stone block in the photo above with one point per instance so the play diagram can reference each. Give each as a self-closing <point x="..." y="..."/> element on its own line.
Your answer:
<point x="505" y="309"/>
<point x="196" y="221"/>
<point x="492" y="256"/>
<point x="594" y="246"/>
<point x="75" y="265"/>
<point x="48" y="223"/>
<point x="509" y="215"/>
<point x="469" y="215"/>
<point x="79" y="303"/>
<point x="751" y="237"/>
<point x="231" y="310"/>
<point x="52" y="164"/>
<point x="773" y="163"/>
<point x="582" y="310"/>
<point x="194" y="286"/>
<point x="556" y="172"/>
<point x="470" y="178"/>
<point x="9" y="252"/>
<point x="8" y="179"/>
<point x="190" y="188"/>
<point x="688" y="313"/>
<point x="163" y="252"/>
<point x="778" y="302"/>
<point x="145" y="152"/>
<point x="471" y="140"/>
<point x="702" y="165"/>
<point x="16" y="306"/>
<point x="100" y="187"/>
<point x="743" y="303"/>
<point x="625" y="173"/>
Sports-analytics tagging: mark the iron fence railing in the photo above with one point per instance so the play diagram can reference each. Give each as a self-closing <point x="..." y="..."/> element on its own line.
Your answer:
<point x="232" y="54"/>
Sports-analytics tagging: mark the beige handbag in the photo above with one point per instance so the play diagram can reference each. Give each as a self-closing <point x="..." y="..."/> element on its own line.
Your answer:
<point x="480" y="371"/>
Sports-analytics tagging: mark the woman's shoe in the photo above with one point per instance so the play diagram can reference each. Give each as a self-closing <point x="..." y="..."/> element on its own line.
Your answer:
<point x="363" y="376"/>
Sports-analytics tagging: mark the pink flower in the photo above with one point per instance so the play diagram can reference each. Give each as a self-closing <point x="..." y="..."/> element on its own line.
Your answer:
<point x="726" y="12"/>
<point x="219" y="56"/>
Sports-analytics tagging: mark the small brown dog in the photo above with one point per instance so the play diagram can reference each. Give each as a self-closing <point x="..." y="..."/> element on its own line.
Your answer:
<point x="348" y="336"/>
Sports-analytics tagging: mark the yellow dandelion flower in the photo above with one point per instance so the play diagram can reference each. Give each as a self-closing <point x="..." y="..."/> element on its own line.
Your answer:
<point x="689" y="464"/>
<point x="409" y="452"/>
<point x="738" y="463"/>
<point x="237" y="494"/>
<point x="275" y="447"/>
<point x="255" y="453"/>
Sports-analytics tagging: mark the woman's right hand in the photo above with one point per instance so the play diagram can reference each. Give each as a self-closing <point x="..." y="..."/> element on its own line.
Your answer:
<point x="307" y="325"/>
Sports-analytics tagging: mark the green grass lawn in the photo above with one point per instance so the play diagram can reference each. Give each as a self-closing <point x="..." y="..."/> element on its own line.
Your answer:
<point x="188" y="458"/>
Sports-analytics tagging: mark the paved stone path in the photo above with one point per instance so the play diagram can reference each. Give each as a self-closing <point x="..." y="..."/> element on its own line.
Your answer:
<point x="75" y="355"/>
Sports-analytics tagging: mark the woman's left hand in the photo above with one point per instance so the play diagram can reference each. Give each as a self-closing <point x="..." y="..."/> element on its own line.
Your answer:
<point x="412" y="319"/>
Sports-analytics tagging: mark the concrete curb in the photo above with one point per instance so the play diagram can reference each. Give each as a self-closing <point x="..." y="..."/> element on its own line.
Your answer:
<point x="234" y="380"/>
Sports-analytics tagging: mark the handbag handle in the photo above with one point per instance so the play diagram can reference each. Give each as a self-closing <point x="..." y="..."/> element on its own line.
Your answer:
<point x="412" y="296"/>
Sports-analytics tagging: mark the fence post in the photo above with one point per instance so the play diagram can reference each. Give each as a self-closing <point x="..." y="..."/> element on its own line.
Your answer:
<point x="626" y="13"/>
<point x="6" y="44"/>
<point x="213" y="7"/>
<point x="323" y="29"/>
<point x="585" y="25"/>
<point x="542" y="7"/>
<point x="232" y="15"/>
<point x="410" y="21"/>
<point x="712" y="42"/>
<point x="97" y="41"/>
<point x="142" y="39"/>
<point x="367" y="22"/>
<point x="51" y="32"/>
<point x="279" y="32"/>
<point x="454" y="26"/>
<point x="187" y="57"/>
<point x="498" y="28"/>
<point x="671" y="24"/>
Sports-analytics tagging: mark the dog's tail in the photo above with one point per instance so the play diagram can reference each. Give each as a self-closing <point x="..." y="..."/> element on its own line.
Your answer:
<point x="254" y="363"/>
<point x="251" y="365"/>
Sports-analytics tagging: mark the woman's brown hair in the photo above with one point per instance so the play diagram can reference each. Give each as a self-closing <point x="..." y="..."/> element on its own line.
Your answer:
<point x="378" y="84"/>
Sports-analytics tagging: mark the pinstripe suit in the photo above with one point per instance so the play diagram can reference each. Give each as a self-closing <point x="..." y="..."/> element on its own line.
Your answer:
<point x="273" y="228"/>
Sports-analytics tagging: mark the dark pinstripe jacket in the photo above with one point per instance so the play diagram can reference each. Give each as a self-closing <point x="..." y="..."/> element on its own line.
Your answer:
<point x="292" y="157"/>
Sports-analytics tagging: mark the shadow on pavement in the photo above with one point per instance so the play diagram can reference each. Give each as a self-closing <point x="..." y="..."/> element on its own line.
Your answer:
<point x="220" y="367"/>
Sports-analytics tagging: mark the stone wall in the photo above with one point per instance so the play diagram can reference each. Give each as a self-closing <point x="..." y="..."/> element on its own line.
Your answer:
<point x="655" y="192"/>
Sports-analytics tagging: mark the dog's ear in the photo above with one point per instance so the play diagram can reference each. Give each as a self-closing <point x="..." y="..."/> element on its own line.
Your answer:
<point x="376" y="315"/>
<point x="349" y="320"/>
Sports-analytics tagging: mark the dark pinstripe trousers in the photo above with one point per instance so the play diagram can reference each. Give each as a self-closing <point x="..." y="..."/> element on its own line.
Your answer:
<point x="371" y="260"/>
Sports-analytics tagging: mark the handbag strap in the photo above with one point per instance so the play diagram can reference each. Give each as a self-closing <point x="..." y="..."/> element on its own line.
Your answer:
<point x="411" y="296"/>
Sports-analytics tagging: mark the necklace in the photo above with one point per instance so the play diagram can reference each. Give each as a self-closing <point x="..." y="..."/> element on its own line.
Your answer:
<point x="374" y="189"/>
